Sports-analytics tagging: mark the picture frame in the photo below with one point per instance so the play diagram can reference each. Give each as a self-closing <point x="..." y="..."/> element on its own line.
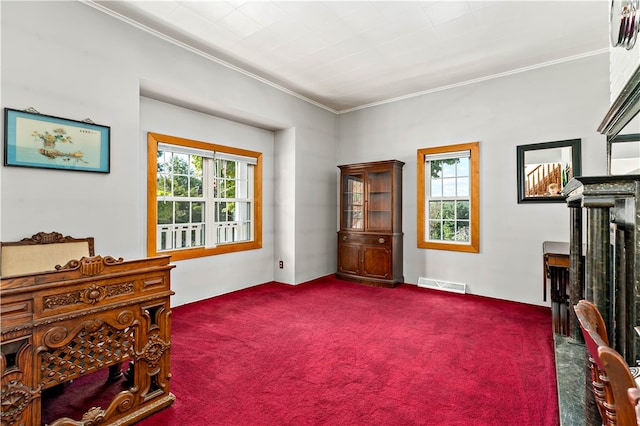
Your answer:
<point x="545" y="168"/>
<point x="43" y="141"/>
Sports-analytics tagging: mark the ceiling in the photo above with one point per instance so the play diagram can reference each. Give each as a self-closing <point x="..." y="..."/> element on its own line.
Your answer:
<point x="345" y="55"/>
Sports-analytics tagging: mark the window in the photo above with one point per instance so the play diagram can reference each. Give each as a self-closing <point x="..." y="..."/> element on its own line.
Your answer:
<point x="203" y="199"/>
<point x="448" y="198"/>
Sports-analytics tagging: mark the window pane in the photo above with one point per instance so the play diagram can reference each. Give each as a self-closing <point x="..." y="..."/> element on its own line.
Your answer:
<point x="231" y="211"/>
<point x="463" y="187"/>
<point x="224" y="188"/>
<point x="224" y="211"/>
<point x="180" y="164"/>
<point x="197" y="212"/>
<point x="448" y="230"/>
<point x="230" y="190"/>
<point x="196" y="166"/>
<point x="195" y="187"/>
<point x="436" y="187"/>
<point x="435" y="230"/>
<point x="242" y="189"/>
<point x="448" y="210"/>
<point x="165" y="212"/>
<point x="163" y="186"/>
<point x="226" y="169"/>
<point x="182" y="212"/>
<point x="462" y="208"/>
<point x="449" y="187"/>
<point x="436" y="169"/>
<point x="435" y="208"/>
<point x="163" y="162"/>
<point x="246" y="235"/>
<point x="243" y="211"/>
<point x="462" y="231"/>
<point x="180" y="188"/>
<point x="197" y="236"/>
<point x="463" y="166"/>
<point x="449" y="168"/>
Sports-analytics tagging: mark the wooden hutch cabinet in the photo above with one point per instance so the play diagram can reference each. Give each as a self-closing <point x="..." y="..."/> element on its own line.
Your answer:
<point x="370" y="236"/>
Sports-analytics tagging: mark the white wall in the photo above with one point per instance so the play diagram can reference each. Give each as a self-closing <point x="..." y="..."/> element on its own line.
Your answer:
<point x="228" y="271"/>
<point x="559" y="102"/>
<point x="70" y="60"/>
<point x="285" y="243"/>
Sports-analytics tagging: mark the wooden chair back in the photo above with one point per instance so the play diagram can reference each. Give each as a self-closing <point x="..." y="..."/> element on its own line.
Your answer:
<point x="634" y="398"/>
<point x="620" y="411"/>
<point x="591" y="319"/>
<point x="610" y="374"/>
<point x="593" y="330"/>
<point x="42" y="252"/>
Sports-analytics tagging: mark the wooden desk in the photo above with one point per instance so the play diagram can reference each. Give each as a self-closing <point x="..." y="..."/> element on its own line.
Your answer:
<point x="92" y="313"/>
<point x="556" y="274"/>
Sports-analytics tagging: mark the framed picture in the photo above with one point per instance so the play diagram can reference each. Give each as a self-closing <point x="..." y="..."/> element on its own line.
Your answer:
<point x="545" y="168"/>
<point x="44" y="141"/>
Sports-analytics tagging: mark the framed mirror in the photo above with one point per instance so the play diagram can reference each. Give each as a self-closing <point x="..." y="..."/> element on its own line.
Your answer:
<point x="545" y="168"/>
<point x="623" y="154"/>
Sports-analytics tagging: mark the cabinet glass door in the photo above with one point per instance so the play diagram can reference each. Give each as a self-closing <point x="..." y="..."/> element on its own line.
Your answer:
<point x="353" y="201"/>
<point x="379" y="201"/>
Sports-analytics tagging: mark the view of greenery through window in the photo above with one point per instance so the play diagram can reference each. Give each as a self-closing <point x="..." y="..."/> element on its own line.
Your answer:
<point x="203" y="198"/>
<point x="179" y="176"/>
<point x="449" y="200"/>
<point x="448" y="197"/>
<point x="182" y="194"/>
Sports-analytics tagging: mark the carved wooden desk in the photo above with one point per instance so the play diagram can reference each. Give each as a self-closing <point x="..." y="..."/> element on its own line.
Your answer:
<point x="90" y="314"/>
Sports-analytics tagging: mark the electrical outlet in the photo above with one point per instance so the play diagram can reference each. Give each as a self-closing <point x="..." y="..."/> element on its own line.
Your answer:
<point x="281" y="264"/>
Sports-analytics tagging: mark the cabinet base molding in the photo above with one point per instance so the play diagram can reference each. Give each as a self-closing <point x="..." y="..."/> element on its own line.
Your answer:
<point x="370" y="281"/>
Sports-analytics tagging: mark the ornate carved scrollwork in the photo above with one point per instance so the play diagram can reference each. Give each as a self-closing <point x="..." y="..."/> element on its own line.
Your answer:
<point x="153" y="350"/>
<point x="46" y="238"/>
<point x="54" y="336"/>
<point x="15" y="397"/>
<point x="92" y="346"/>
<point x="91" y="295"/>
<point x="90" y="265"/>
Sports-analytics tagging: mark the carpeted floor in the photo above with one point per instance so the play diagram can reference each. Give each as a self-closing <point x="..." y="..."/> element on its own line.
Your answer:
<point x="331" y="352"/>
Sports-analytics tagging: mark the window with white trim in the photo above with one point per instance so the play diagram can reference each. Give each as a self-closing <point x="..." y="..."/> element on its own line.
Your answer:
<point x="202" y="199"/>
<point x="448" y="198"/>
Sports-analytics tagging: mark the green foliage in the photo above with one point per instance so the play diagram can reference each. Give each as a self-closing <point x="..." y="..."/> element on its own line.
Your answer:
<point x="449" y="220"/>
<point x="225" y="187"/>
<point x="179" y="175"/>
<point x="437" y="165"/>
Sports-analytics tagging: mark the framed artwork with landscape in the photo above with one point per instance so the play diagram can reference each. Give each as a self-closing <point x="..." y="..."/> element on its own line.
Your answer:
<point x="36" y="140"/>
<point x="545" y="168"/>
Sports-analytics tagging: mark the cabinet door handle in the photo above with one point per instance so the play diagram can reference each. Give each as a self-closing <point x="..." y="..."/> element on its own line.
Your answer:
<point x="381" y="240"/>
<point x="344" y="238"/>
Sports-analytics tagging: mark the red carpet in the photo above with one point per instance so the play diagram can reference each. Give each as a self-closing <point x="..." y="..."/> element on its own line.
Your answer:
<point x="331" y="352"/>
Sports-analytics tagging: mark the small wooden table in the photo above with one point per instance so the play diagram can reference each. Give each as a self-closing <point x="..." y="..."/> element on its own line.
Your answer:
<point x="556" y="273"/>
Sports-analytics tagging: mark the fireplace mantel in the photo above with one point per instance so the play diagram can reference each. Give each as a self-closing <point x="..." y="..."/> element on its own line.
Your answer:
<point x="624" y="108"/>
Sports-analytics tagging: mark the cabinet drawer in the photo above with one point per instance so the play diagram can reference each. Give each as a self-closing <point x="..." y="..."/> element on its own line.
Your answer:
<point x="16" y="312"/>
<point x="379" y="239"/>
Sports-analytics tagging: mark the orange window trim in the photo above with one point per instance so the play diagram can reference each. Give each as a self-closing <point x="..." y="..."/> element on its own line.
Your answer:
<point x="153" y="139"/>
<point x="474" y="245"/>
